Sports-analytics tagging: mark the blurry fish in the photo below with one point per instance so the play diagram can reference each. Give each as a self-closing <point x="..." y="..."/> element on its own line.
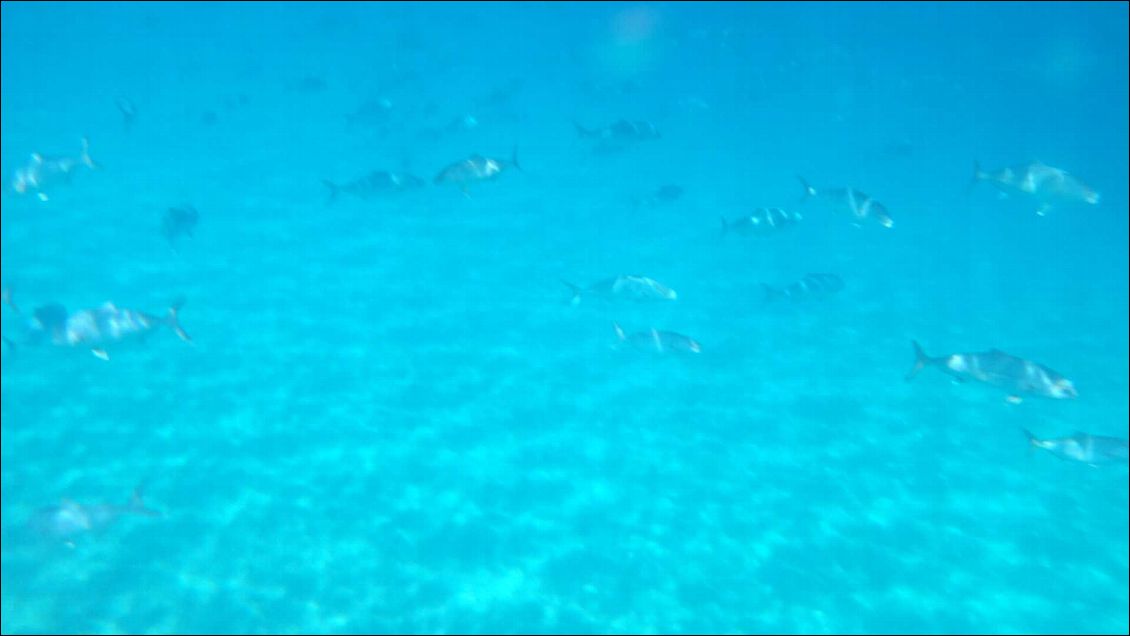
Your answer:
<point x="209" y="118"/>
<point x="179" y="222"/>
<point x="463" y="123"/>
<point x="374" y="112"/>
<point x="999" y="369"/>
<point x="668" y="193"/>
<point x="475" y="168"/>
<point x="376" y="183"/>
<point x="128" y="111"/>
<point x="811" y="287"/>
<point x="633" y="288"/>
<point x="621" y="130"/>
<point x="1081" y="447"/>
<point x="43" y="173"/>
<point x="1045" y="184"/>
<point x="309" y="84"/>
<point x="658" y="341"/>
<point x="96" y="328"/>
<point x="67" y="521"/>
<point x="761" y="222"/>
<point x="861" y="206"/>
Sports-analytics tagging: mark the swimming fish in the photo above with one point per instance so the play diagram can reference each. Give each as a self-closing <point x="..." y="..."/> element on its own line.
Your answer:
<point x="43" y="173"/>
<point x="70" y="519"/>
<point x="621" y="130"/>
<point x="999" y="369"/>
<point x="859" y="205"/>
<point x="761" y="222"/>
<point x="811" y="287"/>
<point x="373" y="113"/>
<point x="635" y="288"/>
<point x="128" y="111"/>
<point x="376" y="183"/>
<point x="179" y="222"/>
<point x="1045" y="184"/>
<point x="1082" y="447"/>
<point x="96" y="328"/>
<point x="668" y="193"/>
<point x="476" y="168"/>
<point x="658" y="341"/>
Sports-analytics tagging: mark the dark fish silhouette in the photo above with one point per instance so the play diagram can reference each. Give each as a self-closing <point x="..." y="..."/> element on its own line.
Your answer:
<point x="179" y="222"/>
<point x="635" y="288"/>
<point x="43" y="172"/>
<point x="762" y="222"/>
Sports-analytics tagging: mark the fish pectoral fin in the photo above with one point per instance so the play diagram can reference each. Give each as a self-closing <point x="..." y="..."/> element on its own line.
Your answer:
<point x="101" y="354"/>
<point x="1013" y="399"/>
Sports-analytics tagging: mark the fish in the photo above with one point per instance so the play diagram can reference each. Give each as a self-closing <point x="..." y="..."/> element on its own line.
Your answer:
<point x="762" y="222"/>
<point x="476" y="168"/>
<point x="128" y="111"/>
<point x="1083" y="447"/>
<point x="179" y="222"/>
<point x="43" y="173"/>
<point x="621" y="130"/>
<point x="859" y="205"/>
<point x="657" y="341"/>
<point x="376" y="183"/>
<point x="70" y="519"/>
<point x="623" y="287"/>
<point x="1015" y="375"/>
<point x="374" y="112"/>
<point x="1048" y="186"/>
<point x="96" y="328"/>
<point x="667" y="193"/>
<point x="811" y="287"/>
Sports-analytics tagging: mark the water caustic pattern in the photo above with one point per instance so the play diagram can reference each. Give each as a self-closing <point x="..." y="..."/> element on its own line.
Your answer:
<point x="470" y="352"/>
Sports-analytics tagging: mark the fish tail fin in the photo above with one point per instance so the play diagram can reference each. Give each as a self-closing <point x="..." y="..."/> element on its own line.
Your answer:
<point x="6" y="295"/>
<point x="978" y="176"/>
<point x="334" y="190"/>
<point x="619" y="331"/>
<point x="1032" y="439"/>
<point x="583" y="132"/>
<point x="921" y="360"/>
<point x="809" y="191"/>
<point x="576" y="298"/>
<point x="137" y="503"/>
<point x="771" y="293"/>
<point x="174" y="321"/>
<point x="514" y="158"/>
<point x="725" y="226"/>
<point x="85" y="156"/>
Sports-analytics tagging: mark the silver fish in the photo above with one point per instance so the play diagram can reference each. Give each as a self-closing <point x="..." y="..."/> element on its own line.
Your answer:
<point x="762" y="222"/>
<point x="657" y="341"/>
<point x="635" y="288"/>
<point x="1082" y="447"/>
<point x="1002" y="370"/>
<point x="70" y="519"/>
<point x="860" y="206"/>
<point x="1047" y="185"/>
<point x="43" y="173"/>
<point x="96" y="328"/>
<point x="811" y="287"/>
<point x="376" y="183"/>
<point x="475" y="168"/>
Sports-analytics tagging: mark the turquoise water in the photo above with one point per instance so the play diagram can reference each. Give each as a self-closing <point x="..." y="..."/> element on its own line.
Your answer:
<point x="391" y="417"/>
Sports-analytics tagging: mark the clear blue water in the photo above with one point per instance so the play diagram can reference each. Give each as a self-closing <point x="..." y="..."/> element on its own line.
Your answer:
<point x="391" y="417"/>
